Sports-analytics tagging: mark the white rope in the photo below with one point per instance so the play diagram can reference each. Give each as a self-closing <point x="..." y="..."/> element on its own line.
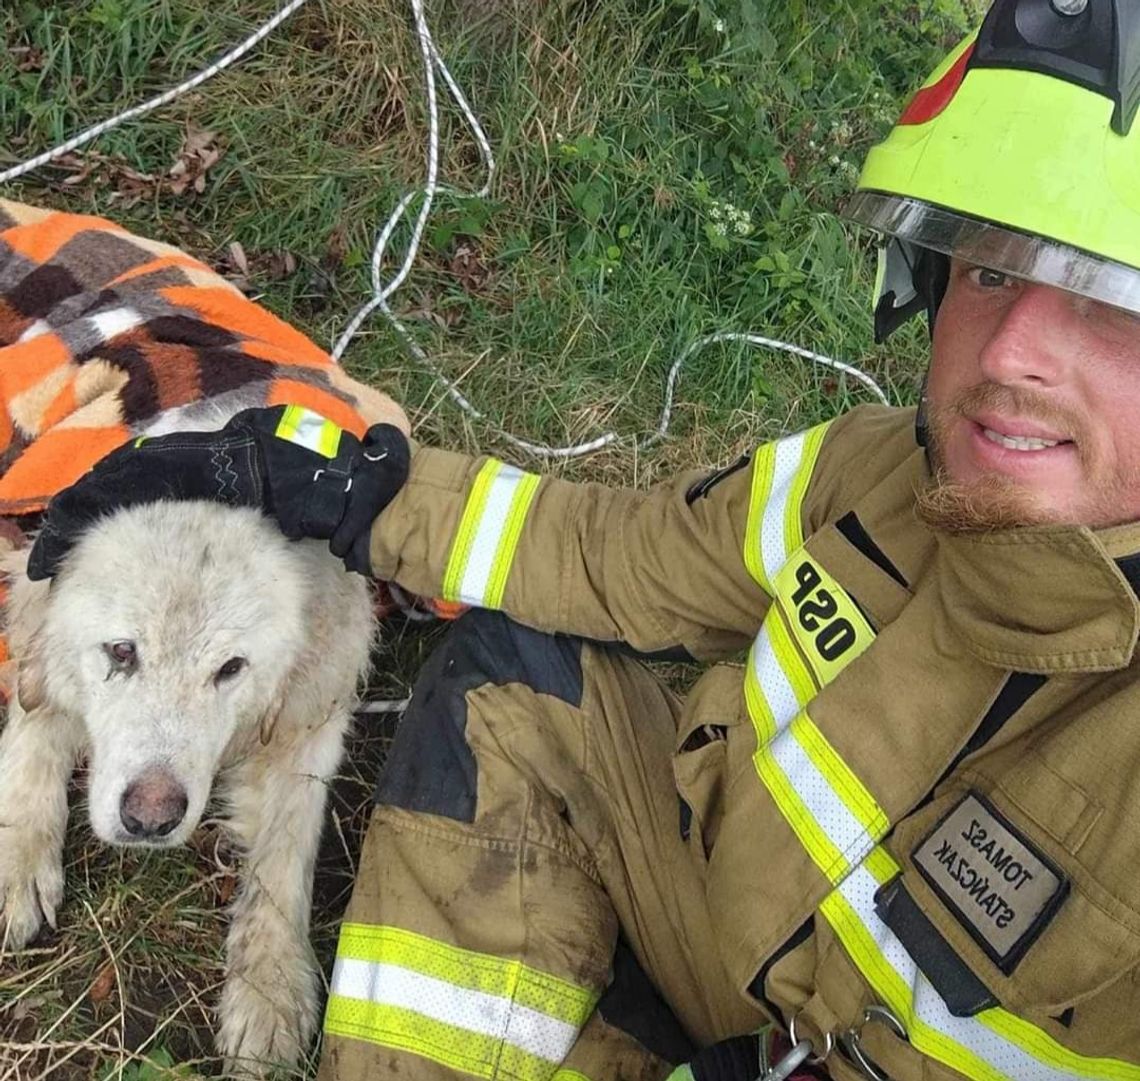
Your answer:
<point x="156" y="102"/>
<point x="383" y="290"/>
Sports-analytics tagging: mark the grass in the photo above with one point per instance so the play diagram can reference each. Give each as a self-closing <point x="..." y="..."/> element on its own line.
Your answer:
<point x="624" y="132"/>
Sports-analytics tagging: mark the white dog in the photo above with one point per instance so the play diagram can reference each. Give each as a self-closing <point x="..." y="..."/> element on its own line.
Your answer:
<point x="184" y="644"/>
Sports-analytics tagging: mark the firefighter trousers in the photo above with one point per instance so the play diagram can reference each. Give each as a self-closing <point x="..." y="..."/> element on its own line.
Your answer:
<point x="526" y="906"/>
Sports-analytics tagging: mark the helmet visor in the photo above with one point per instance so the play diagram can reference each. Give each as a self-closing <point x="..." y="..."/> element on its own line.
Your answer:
<point x="998" y="247"/>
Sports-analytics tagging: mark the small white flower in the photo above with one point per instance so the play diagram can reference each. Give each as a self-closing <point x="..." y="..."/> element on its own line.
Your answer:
<point x="720" y="229"/>
<point x="719" y="26"/>
<point x="744" y="227"/>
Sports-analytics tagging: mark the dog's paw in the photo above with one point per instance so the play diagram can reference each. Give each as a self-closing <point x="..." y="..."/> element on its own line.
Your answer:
<point x="268" y="1016"/>
<point x="31" y="886"/>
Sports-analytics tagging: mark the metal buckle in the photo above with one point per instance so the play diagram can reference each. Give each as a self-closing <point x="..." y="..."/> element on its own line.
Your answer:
<point x="852" y="1036"/>
<point x="801" y="1053"/>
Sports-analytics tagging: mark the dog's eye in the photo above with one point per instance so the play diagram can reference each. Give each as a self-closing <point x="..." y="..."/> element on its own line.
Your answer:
<point x="122" y="654"/>
<point x="230" y="669"/>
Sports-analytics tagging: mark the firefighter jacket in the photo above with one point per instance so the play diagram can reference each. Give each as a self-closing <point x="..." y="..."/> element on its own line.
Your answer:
<point x="916" y="786"/>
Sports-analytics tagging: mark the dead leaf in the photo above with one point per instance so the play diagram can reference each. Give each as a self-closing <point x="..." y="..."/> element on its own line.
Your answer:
<point x="198" y="154"/>
<point x="281" y="264"/>
<point x="337" y="247"/>
<point x="103" y="984"/>
<point x="225" y="889"/>
<point x="237" y="257"/>
<point x="27" y="57"/>
<point x="469" y="269"/>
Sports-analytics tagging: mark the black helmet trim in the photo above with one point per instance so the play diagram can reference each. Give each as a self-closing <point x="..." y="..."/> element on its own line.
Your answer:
<point x="1097" y="47"/>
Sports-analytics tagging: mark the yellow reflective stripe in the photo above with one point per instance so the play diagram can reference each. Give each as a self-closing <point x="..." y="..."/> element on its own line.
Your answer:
<point x="994" y="1045"/>
<point x="329" y="439"/>
<point x="1043" y="1047"/>
<point x="505" y="553"/>
<point x="881" y="865"/>
<point x="781" y="473"/>
<point x="827" y="625"/>
<point x="448" y="1045"/>
<point x="835" y="817"/>
<point x="763" y="472"/>
<point x="565" y="1074"/>
<point x="468" y="526"/>
<point x="287" y="425"/>
<point x="777" y="683"/>
<point x="487" y="538"/>
<point x="823" y="851"/>
<point x="843" y="781"/>
<point x="466" y="969"/>
<point x="793" y="520"/>
<point x="309" y="429"/>
<point x="486" y="1015"/>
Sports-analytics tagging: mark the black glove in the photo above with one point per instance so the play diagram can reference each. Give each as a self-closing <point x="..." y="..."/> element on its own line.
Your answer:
<point x="314" y="478"/>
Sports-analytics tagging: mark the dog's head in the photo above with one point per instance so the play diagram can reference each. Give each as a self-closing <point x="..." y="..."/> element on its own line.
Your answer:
<point x="173" y="631"/>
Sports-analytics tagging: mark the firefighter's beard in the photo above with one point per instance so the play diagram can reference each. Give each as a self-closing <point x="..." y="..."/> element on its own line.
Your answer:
<point x="993" y="501"/>
<point x="980" y="506"/>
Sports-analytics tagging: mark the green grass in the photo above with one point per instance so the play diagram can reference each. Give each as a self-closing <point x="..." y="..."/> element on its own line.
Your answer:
<point x="623" y="131"/>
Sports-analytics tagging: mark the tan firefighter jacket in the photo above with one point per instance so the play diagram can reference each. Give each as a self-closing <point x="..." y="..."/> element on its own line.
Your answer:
<point x="922" y="788"/>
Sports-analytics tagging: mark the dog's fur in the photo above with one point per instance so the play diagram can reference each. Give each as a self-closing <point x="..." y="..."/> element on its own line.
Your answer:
<point x="192" y="585"/>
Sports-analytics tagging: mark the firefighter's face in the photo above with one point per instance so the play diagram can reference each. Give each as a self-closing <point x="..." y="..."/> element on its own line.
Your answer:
<point x="1034" y="403"/>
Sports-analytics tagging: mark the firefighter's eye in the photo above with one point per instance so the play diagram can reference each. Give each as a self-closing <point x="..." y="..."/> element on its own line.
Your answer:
<point x="989" y="279"/>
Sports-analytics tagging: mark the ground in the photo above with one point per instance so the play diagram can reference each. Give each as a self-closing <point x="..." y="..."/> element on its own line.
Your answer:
<point x="666" y="169"/>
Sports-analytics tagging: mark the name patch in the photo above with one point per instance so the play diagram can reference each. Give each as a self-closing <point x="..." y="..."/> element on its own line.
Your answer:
<point x="999" y="886"/>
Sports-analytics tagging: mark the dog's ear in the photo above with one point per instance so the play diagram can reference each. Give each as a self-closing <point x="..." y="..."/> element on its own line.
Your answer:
<point x="271" y="716"/>
<point x="30" y="682"/>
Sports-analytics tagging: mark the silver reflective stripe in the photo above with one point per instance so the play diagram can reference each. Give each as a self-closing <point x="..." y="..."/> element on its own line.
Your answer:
<point x="773" y="538"/>
<point x="529" y="1030"/>
<point x="488" y="535"/>
<point x="991" y="1045"/>
<point x="779" y="694"/>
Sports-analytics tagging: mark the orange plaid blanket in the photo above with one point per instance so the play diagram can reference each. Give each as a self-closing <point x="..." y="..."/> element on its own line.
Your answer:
<point x="103" y="334"/>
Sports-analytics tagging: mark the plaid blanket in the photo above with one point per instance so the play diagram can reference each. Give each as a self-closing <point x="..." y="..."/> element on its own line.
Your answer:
<point x="104" y="335"/>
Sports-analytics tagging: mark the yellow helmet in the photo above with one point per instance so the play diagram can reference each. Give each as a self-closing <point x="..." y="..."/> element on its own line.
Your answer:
<point x="1018" y="153"/>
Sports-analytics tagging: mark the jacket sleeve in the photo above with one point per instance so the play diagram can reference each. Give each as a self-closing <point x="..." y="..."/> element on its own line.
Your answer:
<point x="684" y="566"/>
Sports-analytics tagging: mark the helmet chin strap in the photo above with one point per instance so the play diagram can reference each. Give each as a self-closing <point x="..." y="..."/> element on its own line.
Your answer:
<point x="911" y="280"/>
<point x="937" y="273"/>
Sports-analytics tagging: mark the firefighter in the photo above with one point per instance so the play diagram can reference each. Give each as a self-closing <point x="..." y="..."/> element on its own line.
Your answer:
<point x="901" y="839"/>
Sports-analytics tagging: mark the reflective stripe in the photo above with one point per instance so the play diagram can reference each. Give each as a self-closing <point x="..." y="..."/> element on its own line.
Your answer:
<point x="994" y="1045"/>
<point x="573" y="1075"/>
<point x="811" y="633"/>
<point x="834" y="816"/>
<point x="777" y="684"/>
<point x="308" y="429"/>
<point x="780" y="476"/>
<point x="488" y="535"/>
<point x="459" y="1008"/>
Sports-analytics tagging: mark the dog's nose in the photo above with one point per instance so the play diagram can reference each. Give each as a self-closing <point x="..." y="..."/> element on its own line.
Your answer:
<point x="153" y="805"/>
